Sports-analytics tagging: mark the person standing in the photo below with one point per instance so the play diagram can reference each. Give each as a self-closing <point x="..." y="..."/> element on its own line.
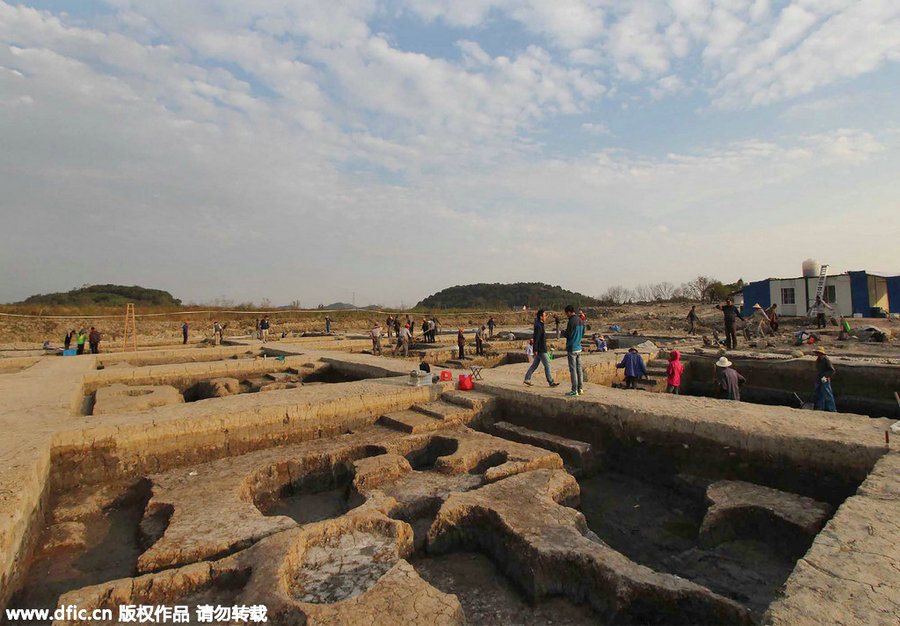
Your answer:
<point x="490" y="324"/>
<point x="389" y="325"/>
<point x="729" y="380"/>
<point x="397" y="326"/>
<point x="574" y="333"/>
<point x="94" y="340"/>
<point x="818" y="308"/>
<point x="68" y="340"/>
<point x="540" y="350"/>
<point x="184" y="333"/>
<point x="730" y="312"/>
<point x="824" y="374"/>
<point x="425" y="328"/>
<point x="217" y="333"/>
<point x="461" y="341"/>
<point x="432" y="330"/>
<point x="772" y="314"/>
<point x="692" y="319"/>
<point x="375" y="334"/>
<point x="556" y="321"/>
<point x="634" y="368"/>
<point x="256" y="329"/>
<point x="479" y="341"/>
<point x="264" y="328"/>
<point x="435" y="327"/>
<point x="529" y="350"/>
<point x="673" y="372"/>
<point x="79" y="341"/>
<point x="327" y="324"/>
<point x="403" y="338"/>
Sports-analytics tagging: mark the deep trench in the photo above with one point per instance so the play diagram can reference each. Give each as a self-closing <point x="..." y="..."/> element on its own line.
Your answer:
<point x="645" y="498"/>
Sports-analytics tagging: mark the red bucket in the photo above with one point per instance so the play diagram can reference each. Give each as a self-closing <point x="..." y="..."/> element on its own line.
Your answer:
<point x="465" y="382"/>
<point x="446" y="375"/>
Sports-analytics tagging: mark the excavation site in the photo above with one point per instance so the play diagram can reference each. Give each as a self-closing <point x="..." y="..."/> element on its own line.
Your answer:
<point x="313" y="482"/>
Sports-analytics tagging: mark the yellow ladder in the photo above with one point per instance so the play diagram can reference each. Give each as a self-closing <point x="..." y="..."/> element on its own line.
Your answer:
<point x="129" y="326"/>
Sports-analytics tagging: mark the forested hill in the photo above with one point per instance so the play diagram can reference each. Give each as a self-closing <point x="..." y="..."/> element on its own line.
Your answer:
<point x="499" y="296"/>
<point x="106" y="295"/>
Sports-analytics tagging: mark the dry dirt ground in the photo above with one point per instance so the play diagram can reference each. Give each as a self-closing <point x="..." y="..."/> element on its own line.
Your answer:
<point x="20" y="336"/>
<point x="314" y="479"/>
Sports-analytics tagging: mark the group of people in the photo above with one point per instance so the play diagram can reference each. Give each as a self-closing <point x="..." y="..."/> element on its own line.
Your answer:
<point x="92" y="338"/>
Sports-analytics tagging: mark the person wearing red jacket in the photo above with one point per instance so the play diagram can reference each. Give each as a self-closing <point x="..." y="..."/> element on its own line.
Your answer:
<point x="673" y="372"/>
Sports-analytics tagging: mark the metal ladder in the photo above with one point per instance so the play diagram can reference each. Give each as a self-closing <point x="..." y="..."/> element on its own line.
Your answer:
<point x="820" y="288"/>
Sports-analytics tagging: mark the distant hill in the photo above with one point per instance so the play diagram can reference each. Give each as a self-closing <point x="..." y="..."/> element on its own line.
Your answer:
<point x="505" y="296"/>
<point x="339" y="305"/>
<point x="106" y="295"/>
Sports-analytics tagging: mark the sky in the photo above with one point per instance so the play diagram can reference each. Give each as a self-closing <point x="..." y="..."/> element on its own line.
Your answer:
<point x="378" y="151"/>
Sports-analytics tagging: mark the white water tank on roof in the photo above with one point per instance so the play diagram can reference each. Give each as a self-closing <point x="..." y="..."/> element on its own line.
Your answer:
<point x="811" y="267"/>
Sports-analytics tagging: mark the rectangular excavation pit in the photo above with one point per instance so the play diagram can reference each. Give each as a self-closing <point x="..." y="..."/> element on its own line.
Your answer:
<point x="645" y="495"/>
<point x="258" y="376"/>
<point x="203" y="354"/>
<point x="859" y="387"/>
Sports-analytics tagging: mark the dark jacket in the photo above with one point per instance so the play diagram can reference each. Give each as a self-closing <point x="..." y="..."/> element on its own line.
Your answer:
<point x="633" y="364"/>
<point x="574" y="333"/>
<point x="540" y="337"/>
<point x="94" y="337"/>
<point x="263" y="324"/>
<point x="730" y="382"/>
<point x="730" y="311"/>
<point x="824" y="367"/>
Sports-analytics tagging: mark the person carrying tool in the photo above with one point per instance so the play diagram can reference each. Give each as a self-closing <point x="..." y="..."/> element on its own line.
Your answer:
<point x="824" y="373"/>
<point x="818" y="309"/>
<point x="730" y="312"/>
<point x="479" y="341"/>
<point x="491" y="324"/>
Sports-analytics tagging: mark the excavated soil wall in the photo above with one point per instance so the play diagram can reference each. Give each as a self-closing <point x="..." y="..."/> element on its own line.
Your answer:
<point x="862" y="388"/>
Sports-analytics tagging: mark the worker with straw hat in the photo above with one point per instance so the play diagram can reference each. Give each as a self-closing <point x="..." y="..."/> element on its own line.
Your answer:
<point x="824" y="373"/>
<point x="729" y="380"/>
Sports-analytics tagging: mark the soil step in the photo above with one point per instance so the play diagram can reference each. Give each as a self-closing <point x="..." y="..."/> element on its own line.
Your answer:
<point x="470" y="399"/>
<point x="410" y="422"/>
<point x="578" y="454"/>
<point x="663" y="363"/>
<point x="445" y="410"/>
<point x="656" y="371"/>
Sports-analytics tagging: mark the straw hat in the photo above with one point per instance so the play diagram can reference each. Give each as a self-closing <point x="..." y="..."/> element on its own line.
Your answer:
<point x="819" y="350"/>
<point x="723" y="362"/>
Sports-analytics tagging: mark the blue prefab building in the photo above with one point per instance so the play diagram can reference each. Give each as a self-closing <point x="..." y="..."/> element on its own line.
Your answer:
<point x="849" y="293"/>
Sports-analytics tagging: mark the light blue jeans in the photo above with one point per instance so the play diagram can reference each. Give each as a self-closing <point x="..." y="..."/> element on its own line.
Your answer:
<point x="576" y="373"/>
<point x="538" y="359"/>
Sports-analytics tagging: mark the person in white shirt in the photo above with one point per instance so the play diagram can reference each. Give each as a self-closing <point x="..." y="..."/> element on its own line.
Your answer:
<point x="529" y="350"/>
<point x="403" y="342"/>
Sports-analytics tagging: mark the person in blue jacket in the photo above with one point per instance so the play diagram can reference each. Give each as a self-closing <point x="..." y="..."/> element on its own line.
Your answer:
<point x="634" y="368"/>
<point x="574" y="333"/>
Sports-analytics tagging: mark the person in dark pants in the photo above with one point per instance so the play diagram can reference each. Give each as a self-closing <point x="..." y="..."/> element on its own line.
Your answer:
<point x="68" y="340"/>
<point x="479" y="341"/>
<point x="94" y="340"/>
<point x="634" y="368"/>
<point x="397" y="326"/>
<point x="819" y="307"/>
<point x="79" y="341"/>
<point x="539" y="338"/>
<point x="461" y="341"/>
<point x="692" y="319"/>
<point x="730" y="312"/>
<point x="490" y="324"/>
<point x="824" y="374"/>
<point x="728" y="380"/>
<point x="184" y="333"/>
